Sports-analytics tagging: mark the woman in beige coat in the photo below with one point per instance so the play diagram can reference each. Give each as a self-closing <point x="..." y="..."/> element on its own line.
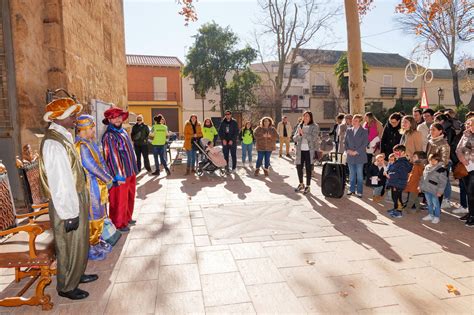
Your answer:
<point x="265" y="142"/>
<point x="411" y="138"/>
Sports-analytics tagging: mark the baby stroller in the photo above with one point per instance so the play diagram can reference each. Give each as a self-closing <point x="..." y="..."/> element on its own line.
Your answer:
<point x="209" y="162"/>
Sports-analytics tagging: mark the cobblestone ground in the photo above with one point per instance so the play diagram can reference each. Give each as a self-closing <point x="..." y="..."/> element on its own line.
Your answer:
<point x="246" y="244"/>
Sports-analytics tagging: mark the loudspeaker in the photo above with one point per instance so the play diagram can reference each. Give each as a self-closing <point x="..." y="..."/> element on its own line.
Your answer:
<point x="333" y="180"/>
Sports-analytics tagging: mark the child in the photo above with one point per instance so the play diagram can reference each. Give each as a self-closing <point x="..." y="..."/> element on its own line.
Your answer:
<point x="215" y="154"/>
<point x="432" y="184"/>
<point x="397" y="179"/>
<point x="391" y="160"/>
<point x="419" y="162"/>
<point x="377" y="178"/>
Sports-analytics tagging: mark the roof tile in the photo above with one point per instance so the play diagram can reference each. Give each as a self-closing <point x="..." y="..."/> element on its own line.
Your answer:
<point x="153" y="61"/>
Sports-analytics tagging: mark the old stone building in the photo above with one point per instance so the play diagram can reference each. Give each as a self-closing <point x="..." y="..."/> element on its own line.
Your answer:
<point x="77" y="45"/>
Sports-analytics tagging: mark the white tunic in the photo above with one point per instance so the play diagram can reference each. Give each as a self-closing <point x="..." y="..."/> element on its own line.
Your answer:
<point x="60" y="178"/>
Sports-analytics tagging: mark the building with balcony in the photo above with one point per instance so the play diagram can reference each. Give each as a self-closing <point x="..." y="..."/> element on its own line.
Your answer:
<point x="155" y="87"/>
<point x="314" y="84"/>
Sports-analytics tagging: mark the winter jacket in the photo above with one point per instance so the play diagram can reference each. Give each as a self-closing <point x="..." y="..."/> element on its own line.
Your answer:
<point x="390" y="137"/>
<point x="424" y="128"/>
<point x="229" y="130"/>
<point x="357" y="142"/>
<point x="439" y="146"/>
<point x="140" y="134"/>
<point x="414" y="177"/>
<point x="465" y="148"/>
<point x="375" y="170"/>
<point x="313" y="142"/>
<point x="413" y="142"/>
<point x="434" y="179"/>
<point x="264" y="143"/>
<point x="189" y="133"/>
<point x="341" y="136"/>
<point x="289" y="129"/>
<point x="398" y="173"/>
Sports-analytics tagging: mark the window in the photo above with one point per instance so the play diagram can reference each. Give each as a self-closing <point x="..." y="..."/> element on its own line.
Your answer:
<point x="329" y="108"/>
<point x="387" y="80"/>
<point x="160" y="88"/>
<point x="107" y="44"/>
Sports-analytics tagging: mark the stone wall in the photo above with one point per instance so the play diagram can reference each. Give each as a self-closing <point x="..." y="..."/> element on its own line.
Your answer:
<point x="73" y="44"/>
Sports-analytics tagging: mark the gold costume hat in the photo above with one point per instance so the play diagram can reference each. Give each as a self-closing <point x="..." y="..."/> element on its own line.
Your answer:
<point x="61" y="108"/>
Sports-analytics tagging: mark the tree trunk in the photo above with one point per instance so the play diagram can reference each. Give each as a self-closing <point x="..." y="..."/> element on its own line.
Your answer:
<point x="457" y="96"/>
<point x="278" y="106"/>
<point x="221" y="103"/>
<point x="354" y="58"/>
<point x="470" y="105"/>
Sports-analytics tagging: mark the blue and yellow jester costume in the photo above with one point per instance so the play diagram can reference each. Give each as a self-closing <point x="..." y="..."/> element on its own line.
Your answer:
<point x="98" y="182"/>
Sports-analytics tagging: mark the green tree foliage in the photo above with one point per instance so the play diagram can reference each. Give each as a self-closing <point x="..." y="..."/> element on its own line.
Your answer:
<point x="214" y="55"/>
<point x="240" y="93"/>
<point x="342" y="67"/>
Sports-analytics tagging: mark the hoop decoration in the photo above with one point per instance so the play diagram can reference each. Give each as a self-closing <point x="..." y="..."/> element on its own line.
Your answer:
<point x="420" y="59"/>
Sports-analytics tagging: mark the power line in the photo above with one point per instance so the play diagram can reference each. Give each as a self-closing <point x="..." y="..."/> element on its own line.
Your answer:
<point x="384" y="32"/>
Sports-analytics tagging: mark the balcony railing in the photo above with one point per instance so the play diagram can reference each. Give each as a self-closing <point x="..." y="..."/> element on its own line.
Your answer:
<point x="409" y="92"/>
<point x="388" y="91"/>
<point x="152" y="96"/>
<point x="319" y="90"/>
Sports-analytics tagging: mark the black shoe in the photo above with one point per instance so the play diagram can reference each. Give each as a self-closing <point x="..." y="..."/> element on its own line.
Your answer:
<point x="168" y="172"/>
<point x="156" y="173"/>
<point x="88" y="278"/>
<point x="306" y="190"/>
<point x="464" y="217"/>
<point x="350" y="193"/>
<point x="76" y="294"/>
<point x="148" y="170"/>
<point x="132" y="222"/>
<point x="470" y="223"/>
<point x="124" y="229"/>
<point x="288" y="156"/>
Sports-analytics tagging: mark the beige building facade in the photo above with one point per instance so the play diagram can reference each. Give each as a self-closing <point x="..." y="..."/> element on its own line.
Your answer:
<point x="51" y="44"/>
<point x="314" y="85"/>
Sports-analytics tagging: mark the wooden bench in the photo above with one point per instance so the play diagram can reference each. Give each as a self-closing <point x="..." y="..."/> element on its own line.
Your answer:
<point x="27" y="245"/>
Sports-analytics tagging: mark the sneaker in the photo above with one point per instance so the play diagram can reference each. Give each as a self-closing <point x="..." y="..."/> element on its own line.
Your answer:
<point x="350" y="193"/>
<point x="396" y="214"/>
<point x="470" y="223"/>
<point x="306" y="190"/>
<point x="435" y="220"/>
<point x="429" y="217"/>
<point x="359" y="195"/>
<point x="445" y="204"/>
<point x="460" y="210"/>
<point x="299" y="188"/>
<point x="390" y="211"/>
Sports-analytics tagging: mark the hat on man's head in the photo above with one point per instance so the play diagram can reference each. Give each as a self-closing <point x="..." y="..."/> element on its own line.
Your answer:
<point x="61" y="108"/>
<point x="84" y="122"/>
<point x="112" y="113"/>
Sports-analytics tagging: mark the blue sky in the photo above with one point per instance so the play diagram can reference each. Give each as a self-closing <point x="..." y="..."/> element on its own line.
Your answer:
<point x="154" y="27"/>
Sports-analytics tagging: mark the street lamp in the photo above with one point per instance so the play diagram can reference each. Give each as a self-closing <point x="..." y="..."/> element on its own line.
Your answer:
<point x="440" y="93"/>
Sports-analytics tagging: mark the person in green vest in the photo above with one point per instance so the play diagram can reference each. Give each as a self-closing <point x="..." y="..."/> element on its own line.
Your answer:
<point x="160" y="132"/>
<point x="209" y="132"/>
<point x="247" y="139"/>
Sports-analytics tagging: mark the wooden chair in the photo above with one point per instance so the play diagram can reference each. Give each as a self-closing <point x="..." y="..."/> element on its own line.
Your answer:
<point x="27" y="246"/>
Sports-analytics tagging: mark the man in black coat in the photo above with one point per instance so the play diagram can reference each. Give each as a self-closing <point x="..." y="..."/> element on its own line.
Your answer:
<point x="228" y="132"/>
<point x="140" y="132"/>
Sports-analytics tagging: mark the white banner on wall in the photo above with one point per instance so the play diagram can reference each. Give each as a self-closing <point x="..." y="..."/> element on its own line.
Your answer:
<point x="98" y="108"/>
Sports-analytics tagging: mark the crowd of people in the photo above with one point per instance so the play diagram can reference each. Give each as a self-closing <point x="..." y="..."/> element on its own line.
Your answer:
<point x="410" y="159"/>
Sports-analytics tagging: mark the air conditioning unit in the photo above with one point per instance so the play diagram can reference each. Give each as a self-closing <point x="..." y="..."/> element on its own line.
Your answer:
<point x="306" y="91"/>
<point x="301" y="97"/>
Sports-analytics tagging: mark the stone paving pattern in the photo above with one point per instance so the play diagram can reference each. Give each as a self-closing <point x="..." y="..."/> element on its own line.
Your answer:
<point x="246" y="244"/>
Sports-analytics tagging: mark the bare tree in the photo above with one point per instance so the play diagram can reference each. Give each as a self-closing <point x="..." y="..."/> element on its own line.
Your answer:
<point x="285" y="27"/>
<point x="451" y="26"/>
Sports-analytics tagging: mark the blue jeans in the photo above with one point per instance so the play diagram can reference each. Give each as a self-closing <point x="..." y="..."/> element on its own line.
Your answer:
<point x="261" y="155"/>
<point x="356" y="176"/>
<point x="434" y="207"/>
<point x="247" y="150"/>
<point x="191" y="158"/>
<point x="159" y="150"/>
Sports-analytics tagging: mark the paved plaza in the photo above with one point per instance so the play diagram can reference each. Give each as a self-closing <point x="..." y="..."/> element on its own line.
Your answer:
<point x="246" y="244"/>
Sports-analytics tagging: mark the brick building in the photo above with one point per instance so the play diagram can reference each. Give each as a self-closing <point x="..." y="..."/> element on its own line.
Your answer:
<point x="155" y="87"/>
<point x="50" y="44"/>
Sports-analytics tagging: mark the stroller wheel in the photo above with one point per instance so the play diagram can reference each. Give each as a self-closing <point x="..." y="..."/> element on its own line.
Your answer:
<point x="199" y="172"/>
<point x="223" y="172"/>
